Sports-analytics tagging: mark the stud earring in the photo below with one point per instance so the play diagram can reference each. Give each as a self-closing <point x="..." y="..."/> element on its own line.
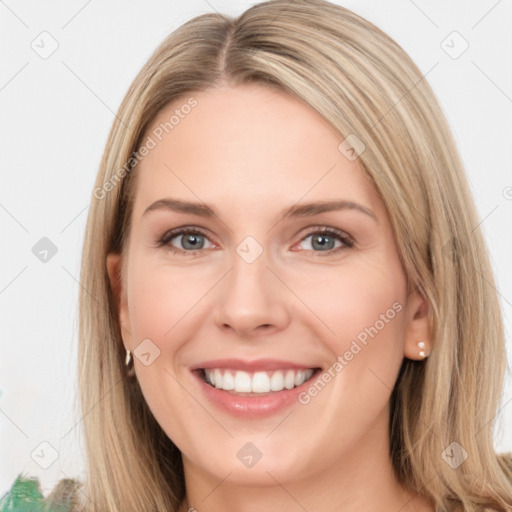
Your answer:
<point x="421" y="346"/>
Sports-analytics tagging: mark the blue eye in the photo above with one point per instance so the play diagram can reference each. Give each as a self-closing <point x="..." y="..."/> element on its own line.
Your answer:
<point x="189" y="241"/>
<point x="324" y="239"/>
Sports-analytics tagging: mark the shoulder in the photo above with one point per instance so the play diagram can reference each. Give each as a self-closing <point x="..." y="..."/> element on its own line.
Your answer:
<point x="26" y="491"/>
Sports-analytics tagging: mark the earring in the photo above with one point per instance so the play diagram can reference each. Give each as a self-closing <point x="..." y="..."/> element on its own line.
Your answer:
<point x="421" y="346"/>
<point x="131" y="371"/>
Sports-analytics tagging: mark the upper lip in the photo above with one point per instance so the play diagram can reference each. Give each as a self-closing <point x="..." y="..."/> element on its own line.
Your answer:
<point x="251" y="366"/>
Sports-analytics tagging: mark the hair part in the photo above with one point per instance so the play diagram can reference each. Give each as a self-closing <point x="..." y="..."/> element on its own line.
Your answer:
<point x="364" y="84"/>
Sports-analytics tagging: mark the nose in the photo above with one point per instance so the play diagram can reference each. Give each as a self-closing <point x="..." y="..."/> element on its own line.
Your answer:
<point x="252" y="300"/>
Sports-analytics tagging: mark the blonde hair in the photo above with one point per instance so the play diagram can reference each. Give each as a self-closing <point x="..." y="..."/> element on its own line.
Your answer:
<point x="365" y="85"/>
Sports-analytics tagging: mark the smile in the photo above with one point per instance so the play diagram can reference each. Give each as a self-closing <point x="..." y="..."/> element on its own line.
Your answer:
<point x="256" y="382"/>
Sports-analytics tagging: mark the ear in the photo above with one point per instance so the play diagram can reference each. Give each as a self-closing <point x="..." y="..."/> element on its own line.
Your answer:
<point x="114" y="269"/>
<point x="417" y="326"/>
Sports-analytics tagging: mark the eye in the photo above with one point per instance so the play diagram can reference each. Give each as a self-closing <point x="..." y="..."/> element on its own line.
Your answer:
<point x="184" y="240"/>
<point x="191" y="240"/>
<point x="324" y="240"/>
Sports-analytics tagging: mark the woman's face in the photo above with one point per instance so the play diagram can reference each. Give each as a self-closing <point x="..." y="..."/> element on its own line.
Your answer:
<point x="265" y="282"/>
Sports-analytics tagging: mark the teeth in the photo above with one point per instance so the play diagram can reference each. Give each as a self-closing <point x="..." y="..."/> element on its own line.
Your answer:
<point x="257" y="382"/>
<point x="242" y="382"/>
<point x="228" y="381"/>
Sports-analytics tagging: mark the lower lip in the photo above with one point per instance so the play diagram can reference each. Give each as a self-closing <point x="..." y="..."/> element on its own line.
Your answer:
<point x="252" y="406"/>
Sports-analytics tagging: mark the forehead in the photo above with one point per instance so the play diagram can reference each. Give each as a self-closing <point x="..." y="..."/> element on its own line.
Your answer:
<point x="243" y="146"/>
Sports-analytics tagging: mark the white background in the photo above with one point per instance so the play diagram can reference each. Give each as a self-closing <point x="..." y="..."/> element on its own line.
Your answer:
<point x="56" y="114"/>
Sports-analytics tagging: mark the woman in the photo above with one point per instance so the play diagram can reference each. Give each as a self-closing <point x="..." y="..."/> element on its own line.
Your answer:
<point x="224" y="363"/>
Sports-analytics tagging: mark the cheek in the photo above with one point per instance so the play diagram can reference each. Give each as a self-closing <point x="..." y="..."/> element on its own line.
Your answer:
<point x="349" y="299"/>
<point x="162" y="302"/>
<point x="361" y="310"/>
<point x="162" y="299"/>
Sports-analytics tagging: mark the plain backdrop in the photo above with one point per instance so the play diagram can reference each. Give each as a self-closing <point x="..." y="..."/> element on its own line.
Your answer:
<point x="56" y="113"/>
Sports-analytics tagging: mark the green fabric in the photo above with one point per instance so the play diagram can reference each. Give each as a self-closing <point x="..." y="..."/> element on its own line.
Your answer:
<point x="25" y="496"/>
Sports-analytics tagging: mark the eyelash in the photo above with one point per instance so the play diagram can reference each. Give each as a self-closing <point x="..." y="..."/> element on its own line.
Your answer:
<point x="334" y="233"/>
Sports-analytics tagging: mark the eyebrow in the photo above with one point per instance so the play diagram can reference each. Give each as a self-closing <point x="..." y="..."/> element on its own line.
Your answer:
<point x="303" y="210"/>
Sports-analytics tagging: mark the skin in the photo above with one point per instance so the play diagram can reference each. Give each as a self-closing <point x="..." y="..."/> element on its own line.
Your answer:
<point x="250" y="152"/>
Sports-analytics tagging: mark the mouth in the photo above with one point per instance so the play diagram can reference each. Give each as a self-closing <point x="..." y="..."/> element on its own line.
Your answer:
<point x="259" y="383"/>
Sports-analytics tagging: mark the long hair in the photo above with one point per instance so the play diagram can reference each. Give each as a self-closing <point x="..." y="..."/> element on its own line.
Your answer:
<point x="366" y="86"/>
